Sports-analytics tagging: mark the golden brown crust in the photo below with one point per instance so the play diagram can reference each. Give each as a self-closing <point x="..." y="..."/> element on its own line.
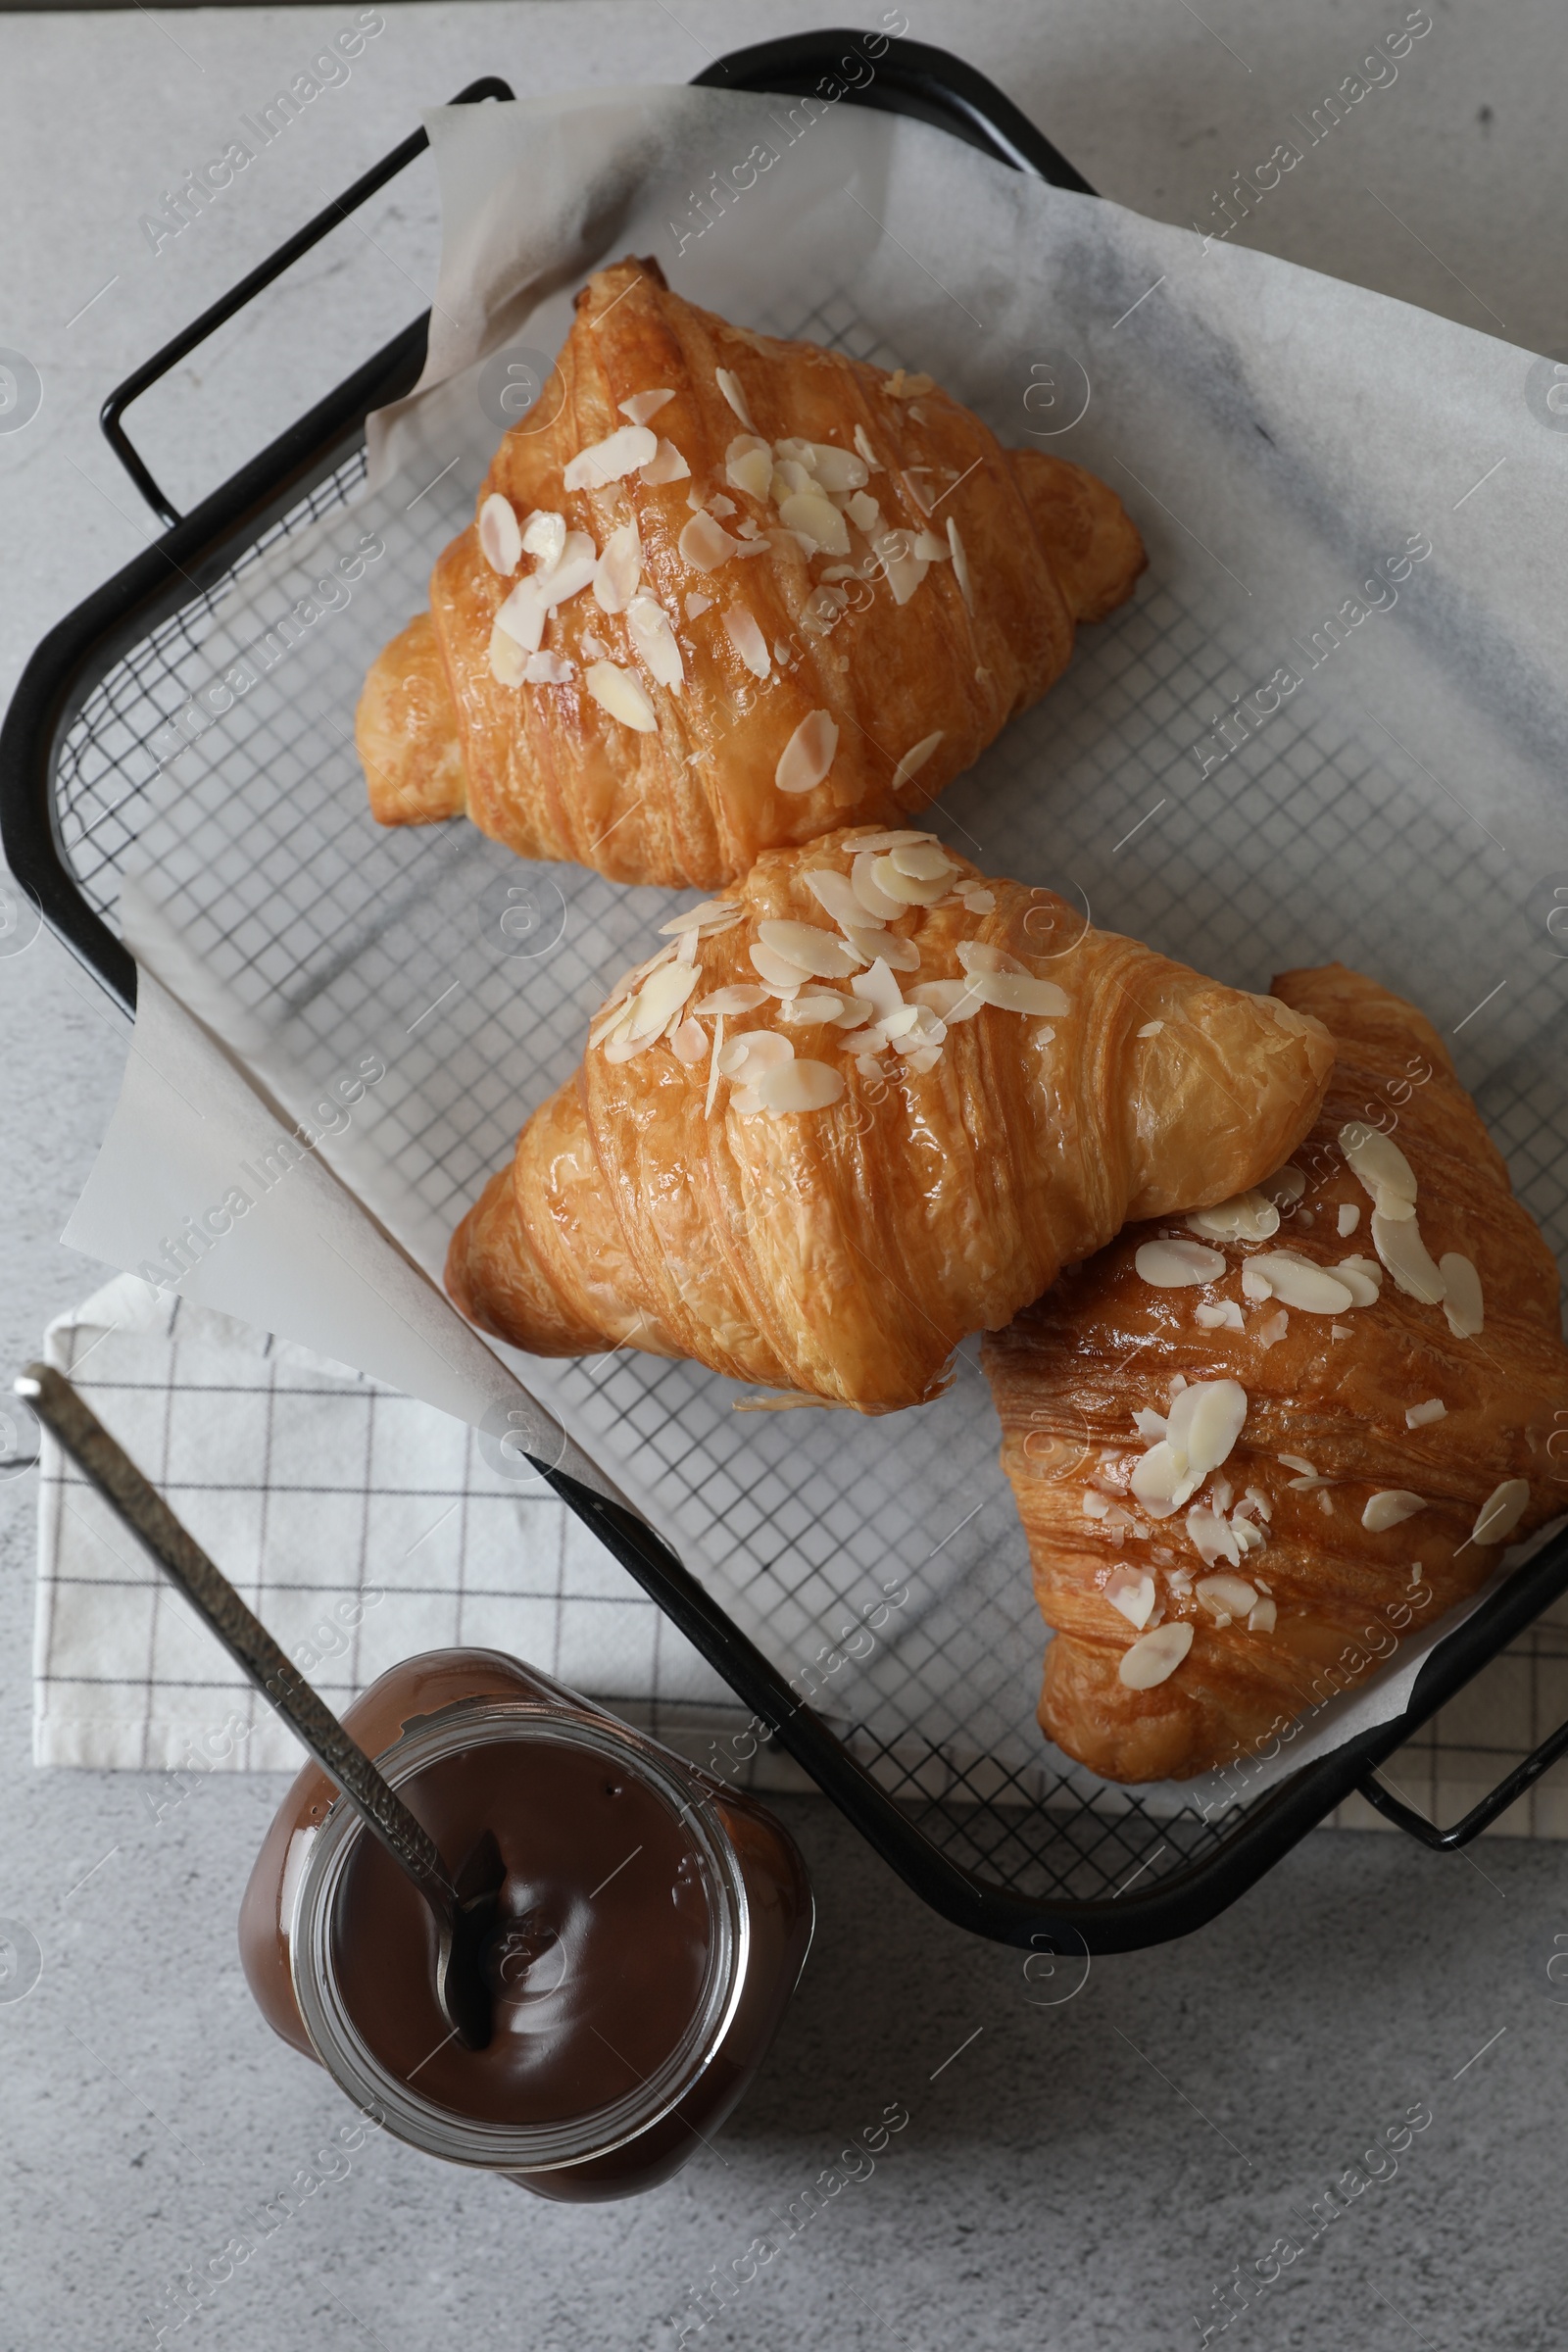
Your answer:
<point x="406" y="732"/>
<point x="551" y="773"/>
<point x="844" y="1253"/>
<point x="1070" y="1372"/>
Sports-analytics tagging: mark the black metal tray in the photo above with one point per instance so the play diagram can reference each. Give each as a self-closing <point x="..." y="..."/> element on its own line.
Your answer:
<point x="1057" y="1875"/>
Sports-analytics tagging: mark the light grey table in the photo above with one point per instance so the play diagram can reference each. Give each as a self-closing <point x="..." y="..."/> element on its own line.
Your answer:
<point x="1081" y="2174"/>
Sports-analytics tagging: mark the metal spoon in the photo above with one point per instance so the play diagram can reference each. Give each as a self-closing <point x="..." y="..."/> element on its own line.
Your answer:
<point x="464" y="1912"/>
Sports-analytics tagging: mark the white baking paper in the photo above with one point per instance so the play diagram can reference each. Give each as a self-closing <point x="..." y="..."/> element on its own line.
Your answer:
<point x="1335" y="490"/>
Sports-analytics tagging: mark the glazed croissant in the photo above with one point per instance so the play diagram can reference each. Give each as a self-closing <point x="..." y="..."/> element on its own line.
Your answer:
<point x="734" y="591"/>
<point x="1251" y="1449"/>
<point x="865" y="1104"/>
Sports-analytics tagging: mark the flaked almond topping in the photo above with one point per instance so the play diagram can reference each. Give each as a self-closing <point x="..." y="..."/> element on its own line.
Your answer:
<point x="1177" y="1265"/>
<point x="500" y="535"/>
<point x="522" y="617"/>
<point x="1349" y="1218"/>
<point x="1378" y="1162"/>
<point x="800" y="1086"/>
<point x="697" y="604"/>
<point x="929" y="549"/>
<point x="508" y="659"/>
<point x="1021" y="991"/>
<point x="1362" y="1277"/>
<point x="1341" y="1331"/>
<point x="808" y="754"/>
<point x="1227" y="1596"/>
<point x="1204" y="1421"/>
<point x="1262" y="1617"/>
<point x="779" y="971"/>
<point x="951" y="1000"/>
<point x="746" y="1058"/>
<point x="960" y="565"/>
<point x="1129" y="1590"/>
<point x="915" y="758"/>
<point x="1246" y="1217"/>
<point x="1501" y="1512"/>
<point x="864" y="512"/>
<point x="815" y="950"/>
<point x="616" y="691"/>
<point x="901" y="569"/>
<point x="666" y="464"/>
<point x="548" y="669"/>
<point x="1272" y="1329"/>
<point x="705" y="544"/>
<point x="1417" y="1416"/>
<point x="813" y="516"/>
<point x="620" y="452"/>
<point x="1151" y="1029"/>
<point x="906" y="889"/>
<point x="747" y="640"/>
<point x="1155" y="1655"/>
<point x="835" y="892"/>
<point x="877" y="904"/>
<point x="815" y="1006"/>
<point x="661" y="994"/>
<point x="619" y="570"/>
<point x="1399" y="1246"/>
<point x="714" y="914"/>
<point x="644" y="407"/>
<point x="880" y="990"/>
<point x="1461" y="1295"/>
<point x="570" y="575"/>
<point x="647" y="625"/>
<point x="839" y="470"/>
<point x="1225" y="1317"/>
<point x="739" y="996"/>
<point x="1297" y="1282"/>
<point x="544" y="536"/>
<point x="903" y="385"/>
<point x="689" y="1044"/>
<point x="1389" y="1508"/>
<point x="1286" y="1183"/>
<point x="714" y="1052"/>
<point x="686" y="953"/>
<point x="863" y="443"/>
<point x="1298" y="1462"/>
<point x="730" y="391"/>
<point x="748" y="465"/>
<point x="977" y="898"/>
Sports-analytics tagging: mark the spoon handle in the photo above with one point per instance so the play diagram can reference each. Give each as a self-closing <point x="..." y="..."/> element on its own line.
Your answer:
<point x="148" y="1516"/>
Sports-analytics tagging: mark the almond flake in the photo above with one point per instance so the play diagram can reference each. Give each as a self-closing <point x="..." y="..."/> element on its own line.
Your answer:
<point x="500" y="535"/>
<point x="835" y="892"/>
<point x="616" y="691"/>
<point x="863" y="445"/>
<point x="1398" y="1243"/>
<point x="1378" y="1163"/>
<point x="544" y="536"/>
<point x="908" y="890"/>
<point x="1262" y="1617"/>
<point x="1151" y="1029"/>
<point x="808" y="757"/>
<point x="876" y="901"/>
<point x="619" y="570"/>
<point x="648" y="624"/>
<point x="1272" y="1329"/>
<point x="730" y="391"/>
<point x="1389" y="1508"/>
<point x="1297" y="1282"/>
<point x="548" y="669"/>
<point x="1177" y="1265"/>
<point x="1129" y="1590"/>
<point x="739" y="996"/>
<point x="815" y="950"/>
<point x="620" y="452"/>
<point x="1501" y="1512"/>
<point x="689" y="1043"/>
<point x="748" y="465"/>
<point x="914" y="760"/>
<point x="1461" y="1297"/>
<point x="1349" y="1218"/>
<point x="1418" y="1416"/>
<point x="714" y="1052"/>
<point x="1246" y="1217"/>
<point x="747" y="640"/>
<point x="697" y="604"/>
<point x="666" y="465"/>
<point x="711" y="910"/>
<point x="1225" y="1317"/>
<point x="508" y="661"/>
<point x="1285" y="1184"/>
<point x="644" y="407"/>
<point x="800" y="1086"/>
<point x="1226" y="1596"/>
<point x="1021" y="991"/>
<point x="812" y="517"/>
<point x="1154" y="1656"/>
<point x="523" y="615"/>
<point x="659" y="997"/>
<point x="746" y="1058"/>
<point x="779" y="971"/>
<point x="570" y="572"/>
<point x="1362" y="1277"/>
<point x="961" y="565"/>
<point x="705" y="544"/>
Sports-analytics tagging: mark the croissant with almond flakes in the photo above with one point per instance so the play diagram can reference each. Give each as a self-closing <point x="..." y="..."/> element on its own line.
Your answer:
<point x="863" y="1104"/>
<point x="1245" y="1446"/>
<point x="731" y="593"/>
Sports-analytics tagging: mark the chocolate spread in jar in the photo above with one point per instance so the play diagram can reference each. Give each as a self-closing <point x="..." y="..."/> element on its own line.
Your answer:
<point x="597" y="1967"/>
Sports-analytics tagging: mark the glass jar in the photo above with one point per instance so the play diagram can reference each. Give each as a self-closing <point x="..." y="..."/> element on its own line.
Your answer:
<point x="654" y="1925"/>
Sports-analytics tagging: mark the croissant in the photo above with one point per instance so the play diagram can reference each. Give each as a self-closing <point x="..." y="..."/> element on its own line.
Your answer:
<point x="776" y="590"/>
<point x="869" y="1103"/>
<point x="1252" y="1450"/>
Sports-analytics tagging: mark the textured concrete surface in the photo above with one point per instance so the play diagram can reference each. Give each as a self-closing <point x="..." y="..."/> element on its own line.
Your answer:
<point x="1084" y="2172"/>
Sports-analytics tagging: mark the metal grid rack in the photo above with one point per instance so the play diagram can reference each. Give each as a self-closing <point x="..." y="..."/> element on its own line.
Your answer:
<point x="272" y="873"/>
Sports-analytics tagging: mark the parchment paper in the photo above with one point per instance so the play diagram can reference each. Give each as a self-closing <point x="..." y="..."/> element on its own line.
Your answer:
<point x="1283" y="442"/>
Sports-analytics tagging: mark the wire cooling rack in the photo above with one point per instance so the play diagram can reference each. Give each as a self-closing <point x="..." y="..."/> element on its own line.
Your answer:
<point x="259" y="849"/>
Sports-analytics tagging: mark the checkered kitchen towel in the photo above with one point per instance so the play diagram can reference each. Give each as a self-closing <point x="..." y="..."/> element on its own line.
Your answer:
<point x="359" y="1525"/>
<point x="362" y="1526"/>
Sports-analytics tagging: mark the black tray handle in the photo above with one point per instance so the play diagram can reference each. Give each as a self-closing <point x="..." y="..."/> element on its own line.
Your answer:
<point x="289" y="251"/>
<point x="906" y="78"/>
<point x="1509" y="1789"/>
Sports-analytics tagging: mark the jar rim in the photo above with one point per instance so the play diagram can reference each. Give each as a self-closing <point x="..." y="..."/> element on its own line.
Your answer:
<point x="441" y="2131"/>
